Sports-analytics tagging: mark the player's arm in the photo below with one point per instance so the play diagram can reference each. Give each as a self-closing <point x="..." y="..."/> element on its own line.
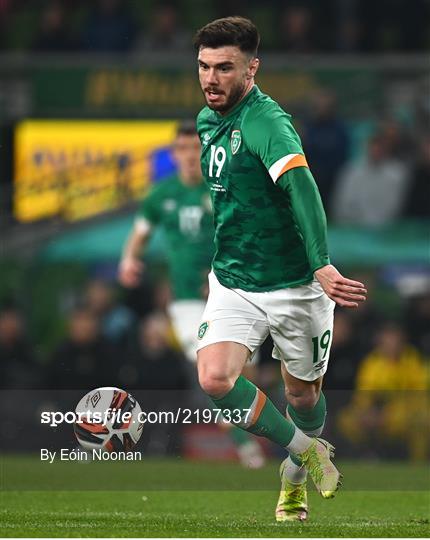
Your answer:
<point x="273" y="139"/>
<point x="149" y="215"/>
<point x="310" y="218"/>
<point x="131" y="267"/>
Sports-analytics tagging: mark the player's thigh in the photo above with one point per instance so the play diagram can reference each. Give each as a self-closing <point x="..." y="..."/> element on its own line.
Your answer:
<point x="186" y="316"/>
<point x="222" y="361"/>
<point x="229" y="317"/>
<point x="302" y="330"/>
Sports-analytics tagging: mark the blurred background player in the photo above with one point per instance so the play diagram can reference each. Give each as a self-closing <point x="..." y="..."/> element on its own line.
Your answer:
<point x="181" y="205"/>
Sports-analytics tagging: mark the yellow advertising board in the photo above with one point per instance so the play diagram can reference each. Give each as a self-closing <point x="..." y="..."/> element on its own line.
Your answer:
<point x="76" y="169"/>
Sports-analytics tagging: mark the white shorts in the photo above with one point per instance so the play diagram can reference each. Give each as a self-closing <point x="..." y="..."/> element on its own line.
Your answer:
<point x="299" y="319"/>
<point x="186" y="316"/>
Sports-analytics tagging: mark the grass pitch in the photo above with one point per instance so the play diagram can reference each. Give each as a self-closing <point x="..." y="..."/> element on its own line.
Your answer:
<point x="151" y="512"/>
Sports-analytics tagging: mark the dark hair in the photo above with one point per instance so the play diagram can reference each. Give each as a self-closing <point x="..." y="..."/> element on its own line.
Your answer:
<point x="236" y="31"/>
<point x="186" y="127"/>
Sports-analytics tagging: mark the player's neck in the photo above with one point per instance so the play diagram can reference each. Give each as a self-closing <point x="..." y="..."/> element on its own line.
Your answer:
<point x="248" y="88"/>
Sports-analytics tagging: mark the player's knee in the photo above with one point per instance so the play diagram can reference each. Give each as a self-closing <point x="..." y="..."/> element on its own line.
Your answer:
<point x="215" y="385"/>
<point x="304" y="400"/>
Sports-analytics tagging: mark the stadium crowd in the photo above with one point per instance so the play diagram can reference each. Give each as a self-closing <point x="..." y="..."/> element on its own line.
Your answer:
<point x="123" y="26"/>
<point x="379" y="362"/>
<point x="387" y="182"/>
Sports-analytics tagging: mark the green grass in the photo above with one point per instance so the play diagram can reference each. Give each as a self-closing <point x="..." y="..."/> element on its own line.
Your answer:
<point x="152" y="512"/>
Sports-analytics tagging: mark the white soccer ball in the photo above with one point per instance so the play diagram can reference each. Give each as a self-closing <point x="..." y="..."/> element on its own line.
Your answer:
<point x="108" y="418"/>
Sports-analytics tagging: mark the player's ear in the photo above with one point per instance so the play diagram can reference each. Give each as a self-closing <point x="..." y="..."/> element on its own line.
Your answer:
<point x="252" y="68"/>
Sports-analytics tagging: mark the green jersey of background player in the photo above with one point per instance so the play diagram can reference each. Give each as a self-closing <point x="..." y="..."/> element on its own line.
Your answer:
<point x="271" y="269"/>
<point x="182" y="206"/>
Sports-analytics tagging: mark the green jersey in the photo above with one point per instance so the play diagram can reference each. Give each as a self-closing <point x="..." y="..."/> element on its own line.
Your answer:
<point x="185" y="214"/>
<point x="259" y="245"/>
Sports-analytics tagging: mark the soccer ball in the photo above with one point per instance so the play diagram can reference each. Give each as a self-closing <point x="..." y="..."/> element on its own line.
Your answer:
<point x="108" y="418"/>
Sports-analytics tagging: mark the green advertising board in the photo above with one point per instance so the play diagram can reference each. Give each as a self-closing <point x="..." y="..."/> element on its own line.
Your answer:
<point x="123" y="91"/>
<point x="167" y="86"/>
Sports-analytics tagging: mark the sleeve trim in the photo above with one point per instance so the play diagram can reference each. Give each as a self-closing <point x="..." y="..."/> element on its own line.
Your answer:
<point x="142" y="225"/>
<point x="286" y="163"/>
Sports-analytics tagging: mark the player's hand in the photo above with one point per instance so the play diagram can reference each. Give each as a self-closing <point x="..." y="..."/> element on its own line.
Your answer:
<point x="130" y="271"/>
<point x="345" y="292"/>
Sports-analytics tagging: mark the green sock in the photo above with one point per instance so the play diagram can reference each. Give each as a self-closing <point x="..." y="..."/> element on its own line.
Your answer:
<point x="308" y="421"/>
<point x="255" y="412"/>
<point x="312" y="419"/>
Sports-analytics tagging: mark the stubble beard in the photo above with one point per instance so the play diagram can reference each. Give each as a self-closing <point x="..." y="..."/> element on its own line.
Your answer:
<point x="235" y="96"/>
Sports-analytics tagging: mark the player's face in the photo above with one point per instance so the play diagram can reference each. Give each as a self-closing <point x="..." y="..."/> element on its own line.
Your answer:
<point x="226" y="75"/>
<point x="186" y="151"/>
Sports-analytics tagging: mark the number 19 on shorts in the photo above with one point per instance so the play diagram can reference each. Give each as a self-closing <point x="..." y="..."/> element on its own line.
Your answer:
<point x="321" y="343"/>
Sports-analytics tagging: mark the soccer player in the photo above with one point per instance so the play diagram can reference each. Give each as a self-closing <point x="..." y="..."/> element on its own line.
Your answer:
<point x="182" y="205"/>
<point x="271" y="272"/>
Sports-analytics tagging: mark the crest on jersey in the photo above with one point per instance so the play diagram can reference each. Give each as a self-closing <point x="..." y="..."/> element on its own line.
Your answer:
<point x="235" y="141"/>
<point x="202" y="330"/>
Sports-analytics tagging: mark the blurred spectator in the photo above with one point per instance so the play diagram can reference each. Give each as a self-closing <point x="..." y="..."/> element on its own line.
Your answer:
<point x="345" y="354"/>
<point x="295" y="29"/>
<point x="165" y="32"/>
<point x="53" y="33"/>
<point x="160" y="371"/>
<point x="109" y="28"/>
<point x="18" y="368"/>
<point x="154" y="365"/>
<point x="116" y="320"/>
<point x="421" y="104"/>
<point x="390" y="402"/>
<point x="417" y="200"/>
<point x="370" y="192"/>
<point x="394" y="25"/>
<point x="5" y="8"/>
<point x="412" y="20"/>
<point x="162" y="295"/>
<point x="397" y="139"/>
<point x="349" y="35"/>
<point x="326" y="142"/>
<point x="141" y="300"/>
<point x="84" y="359"/>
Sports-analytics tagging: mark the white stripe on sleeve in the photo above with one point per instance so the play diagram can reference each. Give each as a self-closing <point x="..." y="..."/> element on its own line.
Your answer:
<point x="277" y="167"/>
